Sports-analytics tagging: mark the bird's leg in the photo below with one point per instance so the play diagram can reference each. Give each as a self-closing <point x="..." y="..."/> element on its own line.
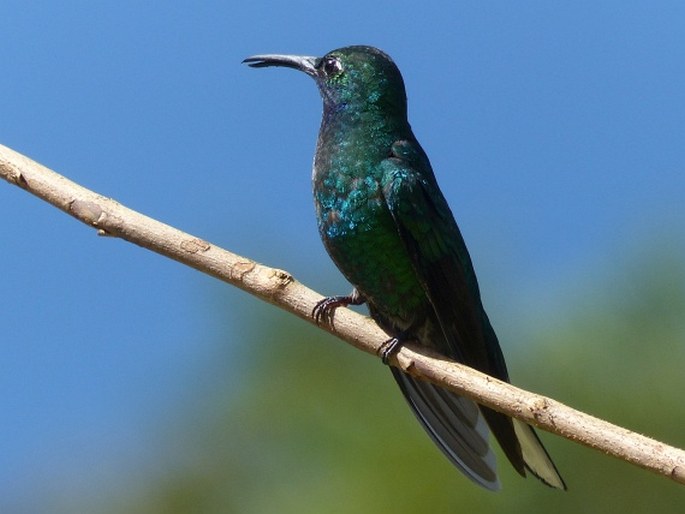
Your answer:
<point x="323" y="310"/>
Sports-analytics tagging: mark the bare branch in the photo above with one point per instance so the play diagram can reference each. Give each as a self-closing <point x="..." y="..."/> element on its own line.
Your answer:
<point x="279" y="288"/>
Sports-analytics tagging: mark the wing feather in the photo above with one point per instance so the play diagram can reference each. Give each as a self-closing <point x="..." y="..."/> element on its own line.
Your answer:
<point x="442" y="263"/>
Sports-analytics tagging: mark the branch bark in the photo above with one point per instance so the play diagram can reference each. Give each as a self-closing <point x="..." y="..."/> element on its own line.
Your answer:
<point x="281" y="289"/>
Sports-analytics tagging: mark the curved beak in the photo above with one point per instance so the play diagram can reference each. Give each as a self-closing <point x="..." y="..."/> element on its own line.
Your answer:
<point x="303" y="63"/>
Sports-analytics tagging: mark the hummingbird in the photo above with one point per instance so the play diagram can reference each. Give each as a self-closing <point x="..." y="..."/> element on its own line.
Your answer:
<point x="389" y="230"/>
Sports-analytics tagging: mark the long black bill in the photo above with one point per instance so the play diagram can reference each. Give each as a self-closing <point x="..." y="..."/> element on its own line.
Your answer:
<point x="303" y="63"/>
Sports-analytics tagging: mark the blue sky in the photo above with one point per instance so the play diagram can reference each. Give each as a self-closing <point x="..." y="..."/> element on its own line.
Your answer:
<point x="555" y="130"/>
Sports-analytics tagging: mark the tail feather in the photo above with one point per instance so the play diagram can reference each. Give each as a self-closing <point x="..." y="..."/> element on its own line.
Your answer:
<point x="456" y="425"/>
<point x="536" y="458"/>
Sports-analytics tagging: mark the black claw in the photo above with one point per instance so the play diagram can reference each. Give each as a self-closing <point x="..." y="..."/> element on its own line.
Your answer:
<point x="324" y="309"/>
<point x="389" y="348"/>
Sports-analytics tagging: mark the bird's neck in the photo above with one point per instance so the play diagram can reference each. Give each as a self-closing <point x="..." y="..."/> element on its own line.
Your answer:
<point x="360" y="129"/>
<point x="371" y="116"/>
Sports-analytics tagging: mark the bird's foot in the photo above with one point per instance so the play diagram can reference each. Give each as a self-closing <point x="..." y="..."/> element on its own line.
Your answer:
<point x="390" y="347"/>
<point x="323" y="310"/>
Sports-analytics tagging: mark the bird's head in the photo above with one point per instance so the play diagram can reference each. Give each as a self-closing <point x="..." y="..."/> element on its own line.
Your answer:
<point x="360" y="78"/>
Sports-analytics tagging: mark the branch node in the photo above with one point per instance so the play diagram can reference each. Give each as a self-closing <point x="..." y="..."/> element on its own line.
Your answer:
<point x="537" y="407"/>
<point x="242" y="268"/>
<point x="88" y="212"/>
<point x="282" y="278"/>
<point x="20" y="180"/>
<point x="195" y="245"/>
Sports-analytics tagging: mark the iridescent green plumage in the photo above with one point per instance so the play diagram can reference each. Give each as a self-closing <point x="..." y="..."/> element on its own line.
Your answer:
<point x="388" y="228"/>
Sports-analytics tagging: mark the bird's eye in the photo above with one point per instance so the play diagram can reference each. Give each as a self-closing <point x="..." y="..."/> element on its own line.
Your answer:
<point x="331" y="66"/>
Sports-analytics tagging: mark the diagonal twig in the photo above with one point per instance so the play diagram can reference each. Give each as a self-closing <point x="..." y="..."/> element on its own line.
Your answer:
<point x="281" y="289"/>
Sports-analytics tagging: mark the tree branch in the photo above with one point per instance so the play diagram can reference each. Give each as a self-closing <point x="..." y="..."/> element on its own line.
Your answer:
<point x="281" y="289"/>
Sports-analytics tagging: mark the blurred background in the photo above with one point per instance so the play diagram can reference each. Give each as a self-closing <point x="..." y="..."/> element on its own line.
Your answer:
<point x="129" y="383"/>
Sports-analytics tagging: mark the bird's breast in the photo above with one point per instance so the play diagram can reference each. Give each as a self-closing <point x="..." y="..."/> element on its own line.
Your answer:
<point x="361" y="237"/>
